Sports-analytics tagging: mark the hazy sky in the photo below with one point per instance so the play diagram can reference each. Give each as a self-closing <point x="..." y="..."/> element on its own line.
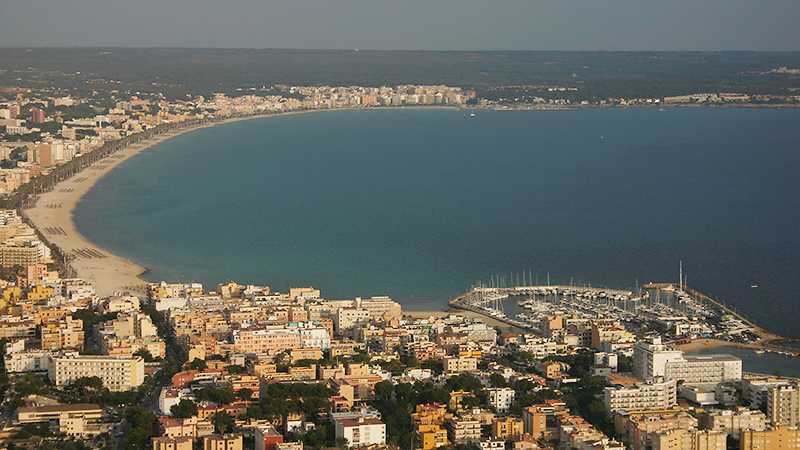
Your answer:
<point x="405" y="24"/>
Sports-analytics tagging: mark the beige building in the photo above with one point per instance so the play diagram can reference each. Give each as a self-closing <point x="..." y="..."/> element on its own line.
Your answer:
<point x="642" y="428"/>
<point x="118" y="374"/>
<point x="780" y="438"/>
<point x="350" y="317"/>
<point x="33" y="414"/>
<point x="689" y="440"/>
<point x="460" y="431"/>
<point x="534" y="421"/>
<point x="507" y="427"/>
<point x="460" y="364"/>
<point x="782" y="405"/>
<point x="733" y="422"/>
<point x="174" y="443"/>
<point x="223" y="442"/>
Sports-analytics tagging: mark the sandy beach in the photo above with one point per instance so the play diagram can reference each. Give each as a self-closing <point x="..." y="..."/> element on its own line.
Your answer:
<point x="52" y="216"/>
<point x="53" y="211"/>
<point x="711" y="343"/>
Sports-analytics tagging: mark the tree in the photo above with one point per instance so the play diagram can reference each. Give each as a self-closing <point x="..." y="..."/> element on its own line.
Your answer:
<point x="384" y="389"/>
<point x="183" y="410"/>
<point x="342" y="442"/>
<point x="198" y="364"/>
<point x="145" y="354"/>
<point x="497" y="380"/>
<point x="222" y="422"/>
<point x="470" y="402"/>
<point x="234" y="369"/>
<point x="245" y="394"/>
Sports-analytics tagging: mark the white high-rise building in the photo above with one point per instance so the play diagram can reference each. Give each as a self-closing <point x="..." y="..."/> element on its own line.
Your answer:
<point x="361" y="432"/>
<point x="500" y="398"/>
<point x="650" y="358"/>
<point x="704" y="369"/>
<point x="651" y="395"/>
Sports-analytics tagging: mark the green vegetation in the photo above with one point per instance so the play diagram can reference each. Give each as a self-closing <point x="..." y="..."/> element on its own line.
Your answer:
<point x="198" y="364"/>
<point x="143" y="423"/>
<point x="218" y="396"/>
<point x="185" y="409"/>
<point x="281" y="399"/>
<point x="175" y="73"/>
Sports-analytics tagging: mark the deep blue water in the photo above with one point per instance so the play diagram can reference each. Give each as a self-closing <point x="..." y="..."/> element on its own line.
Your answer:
<point x="422" y="204"/>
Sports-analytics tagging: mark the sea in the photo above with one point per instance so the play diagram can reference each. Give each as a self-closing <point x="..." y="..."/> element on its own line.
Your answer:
<point x="422" y="204"/>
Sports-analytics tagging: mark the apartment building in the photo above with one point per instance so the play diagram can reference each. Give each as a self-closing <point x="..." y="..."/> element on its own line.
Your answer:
<point x="361" y="432"/>
<point x="259" y="339"/>
<point x="642" y="428"/>
<point x="431" y="436"/>
<point x="642" y="395"/>
<point x="534" y="421"/>
<point x="500" y="398"/>
<point x="231" y="441"/>
<point x="460" y="364"/>
<point x="173" y="443"/>
<point x="733" y="422"/>
<point x="782" y="405"/>
<point x="118" y="374"/>
<point x="678" y="439"/>
<point x="650" y="358"/>
<point x="462" y="431"/>
<point x="507" y="427"/>
<point x="779" y="438"/>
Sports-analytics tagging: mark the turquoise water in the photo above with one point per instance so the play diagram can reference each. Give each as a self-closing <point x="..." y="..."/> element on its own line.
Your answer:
<point x="422" y="204"/>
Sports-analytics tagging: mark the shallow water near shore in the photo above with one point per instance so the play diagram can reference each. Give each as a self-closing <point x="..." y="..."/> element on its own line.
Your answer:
<point x="421" y="204"/>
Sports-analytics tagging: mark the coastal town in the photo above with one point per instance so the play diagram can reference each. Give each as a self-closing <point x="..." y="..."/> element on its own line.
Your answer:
<point x="248" y="367"/>
<point x="94" y="357"/>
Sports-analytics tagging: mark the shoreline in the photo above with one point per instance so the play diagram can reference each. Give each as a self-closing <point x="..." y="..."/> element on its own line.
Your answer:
<point x="53" y="216"/>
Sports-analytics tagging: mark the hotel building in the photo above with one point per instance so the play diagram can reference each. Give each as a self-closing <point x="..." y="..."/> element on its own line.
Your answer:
<point x="118" y="374"/>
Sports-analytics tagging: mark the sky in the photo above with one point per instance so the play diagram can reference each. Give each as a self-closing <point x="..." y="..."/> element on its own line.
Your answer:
<point x="612" y="25"/>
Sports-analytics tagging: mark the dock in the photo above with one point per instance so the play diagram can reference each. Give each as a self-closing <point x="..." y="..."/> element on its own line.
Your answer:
<point x="487" y="301"/>
<point x="769" y="339"/>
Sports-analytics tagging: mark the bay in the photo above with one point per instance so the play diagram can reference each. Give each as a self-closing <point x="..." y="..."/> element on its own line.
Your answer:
<point x="421" y="204"/>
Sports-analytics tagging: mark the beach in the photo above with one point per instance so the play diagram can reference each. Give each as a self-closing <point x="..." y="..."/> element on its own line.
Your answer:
<point x="52" y="215"/>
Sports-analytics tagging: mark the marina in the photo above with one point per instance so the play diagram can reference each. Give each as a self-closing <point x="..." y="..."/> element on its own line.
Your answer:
<point x="675" y="310"/>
